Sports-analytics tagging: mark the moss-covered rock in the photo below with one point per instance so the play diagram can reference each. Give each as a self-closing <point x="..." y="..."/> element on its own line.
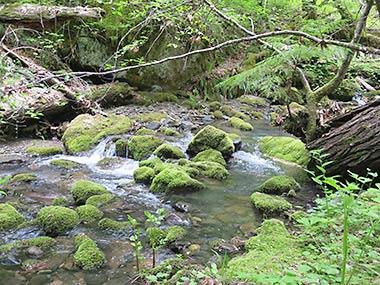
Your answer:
<point x="174" y="233"/>
<point x="151" y="162"/>
<point x="168" y="151"/>
<point x="231" y="112"/>
<point x="286" y="148"/>
<point x="113" y="226"/>
<point x="41" y="241"/>
<point x="144" y="174"/>
<point x="86" y="130"/>
<point x="186" y="167"/>
<point x="64" y="163"/>
<point x="57" y="220"/>
<point x="269" y="204"/>
<point x="252" y="100"/>
<point x="24" y="177"/>
<point x="89" y="213"/>
<point x="240" y="124"/>
<point x="44" y="150"/>
<point x="215" y="105"/>
<point x="145" y="131"/>
<point x="152" y="117"/>
<point x="170" y="132"/>
<point x="170" y="180"/>
<point x="60" y="201"/>
<point x="140" y="147"/>
<point x="218" y="114"/>
<point x="210" y="169"/>
<point x="99" y="200"/>
<point x="121" y="147"/>
<point x="87" y="255"/>
<point x="210" y="155"/>
<point x="10" y="218"/>
<point x="84" y="189"/>
<point x="279" y="184"/>
<point x="211" y="137"/>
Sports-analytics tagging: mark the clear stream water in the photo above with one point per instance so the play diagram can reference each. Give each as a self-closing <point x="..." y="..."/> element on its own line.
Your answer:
<point x="223" y="210"/>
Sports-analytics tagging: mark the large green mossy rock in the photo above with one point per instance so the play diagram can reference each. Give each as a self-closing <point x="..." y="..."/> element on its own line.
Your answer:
<point x="84" y="189"/>
<point x="168" y="151"/>
<point x="210" y="169"/>
<point x="88" y="213"/>
<point x="10" y="218"/>
<point x="269" y="253"/>
<point x="240" y="124"/>
<point x="57" y="220"/>
<point x="285" y="148"/>
<point x="279" y="184"/>
<point x="99" y="200"/>
<point x="44" y="150"/>
<point x="170" y="180"/>
<point x="269" y="204"/>
<point x="65" y="164"/>
<point x="86" y="130"/>
<point x="144" y="174"/>
<point x="140" y="147"/>
<point x="88" y="255"/>
<point x="210" y="155"/>
<point x="211" y="137"/>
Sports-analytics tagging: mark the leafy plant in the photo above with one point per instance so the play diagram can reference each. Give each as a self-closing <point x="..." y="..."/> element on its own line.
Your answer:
<point x="136" y="241"/>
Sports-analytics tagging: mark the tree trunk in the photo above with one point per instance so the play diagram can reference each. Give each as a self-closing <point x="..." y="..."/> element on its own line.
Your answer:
<point x="353" y="141"/>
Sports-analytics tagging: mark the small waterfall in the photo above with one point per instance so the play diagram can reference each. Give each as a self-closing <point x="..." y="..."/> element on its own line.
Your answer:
<point x="254" y="161"/>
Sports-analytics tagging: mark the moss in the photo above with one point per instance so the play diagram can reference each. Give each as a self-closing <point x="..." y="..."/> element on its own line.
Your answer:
<point x="60" y="202"/>
<point x="84" y="189"/>
<point x="88" y="213"/>
<point x="252" y="100"/>
<point x="234" y="137"/>
<point x="156" y="236"/>
<point x="24" y="177"/>
<point x="193" y="172"/>
<point x="174" y="233"/>
<point x="121" y="147"/>
<point x="145" y="131"/>
<point x="64" y="163"/>
<point x="215" y="105"/>
<point x="150" y="162"/>
<point x="210" y="169"/>
<point x="218" y="114"/>
<point x="286" y="148"/>
<point x="113" y="226"/>
<point x="170" y="180"/>
<point x="99" y="200"/>
<point x="56" y="220"/>
<point x="86" y="130"/>
<point x="269" y="204"/>
<point x="152" y="117"/>
<point x="272" y="250"/>
<point x="144" y="174"/>
<point x="140" y="147"/>
<point x="152" y="97"/>
<point x="211" y="137"/>
<point x="297" y="215"/>
<point x="109" y="162"/>
<point x="229" y="111"/>
<point x="38" y="241"/>
<point x="10" y="218"/>
<point x="168" y="151"/>
<point x="87" y="255"/>
<point x="45" y="150"/>
<point x="170" y="132"/>
<point x="279" y="184"/>
<point x="240" y="124"/>
<point x="257" y="115"/>
<point x="210" y="155"/>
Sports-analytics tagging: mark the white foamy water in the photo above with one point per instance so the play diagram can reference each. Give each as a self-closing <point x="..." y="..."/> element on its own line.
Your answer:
<point x="254" y="161"/>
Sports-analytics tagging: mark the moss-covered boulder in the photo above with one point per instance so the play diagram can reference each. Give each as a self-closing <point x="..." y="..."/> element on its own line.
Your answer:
<point x="231" y="112"/>
<point x="87" y="254"/>
<point x="210" y="155"/>
<point x="44" y="150"/>
<point x="84" y="189"/>
<point x="170" y="132"/>
<point x="41" y="241"/>
<point x="10" y="218"/>
<point x="60" y="201"/>
<point x="174" y="233"/>
<point x="145" y="131"/>
<point x="210" y="169"/>
<point x="107" y="224"/>
<point x="240" y="124"/>
<point x="144" y="174"/>
<point x="286" y="148"/>
<point x="279" y="184"/>
<point x="211" y="137"/>
<point x="86" y="130"/>
<point x="170" y="180"/>
<point x="24" y="177"/>
<point x="152" y="163"/>
<point x="89" y="213"/>
<point x="140" y="147"/>
<point x="186" y="167"/>
<point x="168" y="151"/>
<point x="57" y="220"/>
<point x="218" y="114"/>
<point x="64" y="163"/>
<point x="215" y="105"/>
<point x="99" y="200"/>
<point x="121" y="147"/>
<point x="269" y="204"/>
<point x="252" y="100"/>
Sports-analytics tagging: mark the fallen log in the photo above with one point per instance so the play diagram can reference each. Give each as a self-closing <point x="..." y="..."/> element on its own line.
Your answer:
<point x="353" y="141"/>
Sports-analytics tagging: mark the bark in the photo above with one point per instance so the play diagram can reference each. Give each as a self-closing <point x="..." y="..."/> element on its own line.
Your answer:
<point x="353" y="141"/>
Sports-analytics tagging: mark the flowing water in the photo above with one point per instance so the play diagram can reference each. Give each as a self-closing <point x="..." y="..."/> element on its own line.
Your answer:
<point x="223" y="210"/>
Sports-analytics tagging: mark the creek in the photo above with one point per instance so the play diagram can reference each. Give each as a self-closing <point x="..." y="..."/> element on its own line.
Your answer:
<point x="223" y="210"/>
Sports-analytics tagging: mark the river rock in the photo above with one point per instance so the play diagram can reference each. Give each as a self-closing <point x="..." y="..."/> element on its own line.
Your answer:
<point x="34" y="251"/>
<point x="182" y="207"/>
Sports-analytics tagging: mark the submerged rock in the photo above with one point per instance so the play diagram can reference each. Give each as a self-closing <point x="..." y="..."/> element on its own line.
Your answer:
<point x="269" y="204"/>
<point x="57" y="220"/>
<point x="10" y="218"/>
<point x="87" y="256"/>
<point x="278" y="185"/>
<point x="84" y="189"/>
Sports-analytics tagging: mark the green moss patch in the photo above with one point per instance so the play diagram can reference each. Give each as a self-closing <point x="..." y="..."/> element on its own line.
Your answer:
<point x="145" y="131"/>
<point x="151" y="162"/>
<point x="57" y="220"/>
<point x="99" y="200"/>
<point x="84" y="189"/>
<point x="10" y="218"/>
<point x="229" y="111"/>
<point x="210" y="155"/>
<point x="140" y="147"/>
<point x="87" y="255"/>
<point x="218" y="114"/>
<point x="44" y="150"/>
<point x="148" y="98"/>
<point x="144" y="174"/>
<point x="269" y="204"/>
<point x="210" y="169"/>
<point x="64" y="163"/>
<point x="170" y="132"/>
<point x="113" y="226"/>
<point x="168" y="151"/>
<point x="24" y="177"/>
<point x="60" y="202"/>
<point x="252" y="100"/>
<point x="88" y="213"/>
<point x="286" y="148"/>
<point x="278" y="185"/>
<point x="170" y="180"/>
<point x="240" y="124"/>
<point x="38" y="241"/>
<point x="174" y="233"/>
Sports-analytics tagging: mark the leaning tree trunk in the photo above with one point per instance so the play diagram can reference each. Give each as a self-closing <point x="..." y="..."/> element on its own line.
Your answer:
<point x="353" y="141"/>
